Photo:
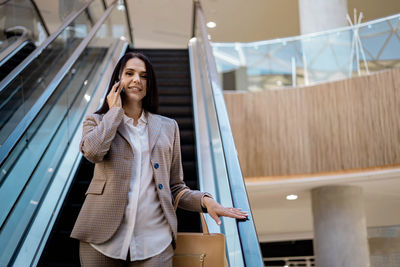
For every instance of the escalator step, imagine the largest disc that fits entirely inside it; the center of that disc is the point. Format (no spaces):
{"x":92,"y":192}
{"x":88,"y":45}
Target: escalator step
{"x":163,"y":67}
{"x":175,"y":100}
{"x":184,"y":122}
{"x":163,"y":74}
{"x":187,"y":152}
{"x":163,"y":52}
{"x":187,"y":136}
{"x":174,"y":90}
{"x":173,"y":82}
{"x":171,"y":111}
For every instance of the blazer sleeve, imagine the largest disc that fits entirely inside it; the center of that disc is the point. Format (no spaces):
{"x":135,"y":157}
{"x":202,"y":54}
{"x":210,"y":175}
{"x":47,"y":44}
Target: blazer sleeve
{"x":192,"y":199}
{"x":98,"y":133}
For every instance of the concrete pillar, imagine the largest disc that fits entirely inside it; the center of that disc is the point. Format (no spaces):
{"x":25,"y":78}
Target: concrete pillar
{"x":321,"y":62}
{"x":321,"y":15}
{"x":340,"y":230}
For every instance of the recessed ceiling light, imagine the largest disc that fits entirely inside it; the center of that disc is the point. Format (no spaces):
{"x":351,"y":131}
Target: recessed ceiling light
{"x":291,"y":197}
{"x":211,"y":24}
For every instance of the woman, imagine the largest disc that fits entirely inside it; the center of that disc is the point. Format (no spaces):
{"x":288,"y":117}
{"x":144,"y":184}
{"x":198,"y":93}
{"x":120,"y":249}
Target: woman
{"x":128,"y":218}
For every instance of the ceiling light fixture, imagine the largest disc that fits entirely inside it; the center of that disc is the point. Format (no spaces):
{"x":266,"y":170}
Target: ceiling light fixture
{"x":291,"y":197}
{"x":211,"y":24}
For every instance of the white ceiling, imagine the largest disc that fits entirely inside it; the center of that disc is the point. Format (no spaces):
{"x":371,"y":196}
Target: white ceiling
{"x":168,"y":23}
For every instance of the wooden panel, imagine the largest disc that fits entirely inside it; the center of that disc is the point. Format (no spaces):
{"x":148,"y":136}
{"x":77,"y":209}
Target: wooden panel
{"x":349,"y":124}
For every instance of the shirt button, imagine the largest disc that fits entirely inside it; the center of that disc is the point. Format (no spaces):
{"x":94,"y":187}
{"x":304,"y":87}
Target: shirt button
{"x":156,"y":165}
{"x":160,"y":186}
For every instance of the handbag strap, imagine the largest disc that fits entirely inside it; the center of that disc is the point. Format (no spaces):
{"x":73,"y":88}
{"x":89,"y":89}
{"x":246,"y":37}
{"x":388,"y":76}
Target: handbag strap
{"x":203,"y":220}
{"x":178,"y":197}
{"x":204,"y":224}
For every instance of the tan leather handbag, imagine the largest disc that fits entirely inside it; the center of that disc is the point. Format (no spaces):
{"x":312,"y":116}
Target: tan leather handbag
{"x":199,"y":249}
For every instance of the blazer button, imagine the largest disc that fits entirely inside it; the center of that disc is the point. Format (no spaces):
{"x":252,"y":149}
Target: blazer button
{"x":156,"y":165}
{"x":160,"y":186}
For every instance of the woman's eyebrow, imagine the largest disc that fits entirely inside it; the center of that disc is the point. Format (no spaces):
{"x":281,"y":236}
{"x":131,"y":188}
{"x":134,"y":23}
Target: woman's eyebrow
{"x":130,"y":69}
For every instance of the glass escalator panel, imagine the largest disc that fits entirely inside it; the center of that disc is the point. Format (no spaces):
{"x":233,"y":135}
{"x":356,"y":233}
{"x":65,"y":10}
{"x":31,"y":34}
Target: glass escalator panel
{"x":20,"y":13}
{"x":18,"y":95}
{"x":29,"y":171}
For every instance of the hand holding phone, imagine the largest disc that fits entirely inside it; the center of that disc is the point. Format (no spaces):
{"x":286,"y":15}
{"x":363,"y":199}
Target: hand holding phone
{"x":113,"y":97}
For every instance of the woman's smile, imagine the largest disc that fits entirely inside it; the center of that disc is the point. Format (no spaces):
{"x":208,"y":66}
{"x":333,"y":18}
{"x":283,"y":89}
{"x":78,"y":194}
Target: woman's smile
{"x":135,"y":89}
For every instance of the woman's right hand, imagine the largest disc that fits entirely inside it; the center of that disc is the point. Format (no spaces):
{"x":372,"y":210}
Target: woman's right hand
{"x":114,"y":96}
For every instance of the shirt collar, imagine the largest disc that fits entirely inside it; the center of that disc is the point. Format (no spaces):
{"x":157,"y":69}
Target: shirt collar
{"x":142,"y":119}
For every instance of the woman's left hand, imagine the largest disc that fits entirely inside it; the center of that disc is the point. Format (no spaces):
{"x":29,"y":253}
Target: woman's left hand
{"x":216,"y":210}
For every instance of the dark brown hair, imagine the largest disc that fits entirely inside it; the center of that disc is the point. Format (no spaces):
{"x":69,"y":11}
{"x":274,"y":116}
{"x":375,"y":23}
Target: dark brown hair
{"x":150,"y":101}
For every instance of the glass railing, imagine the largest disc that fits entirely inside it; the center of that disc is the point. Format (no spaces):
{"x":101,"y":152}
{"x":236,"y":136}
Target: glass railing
{"x":310,"y":59}
{"x":218,"y":166}
{"x":24,"y":14}
{"x":22,"y":88}
{"x":32,"y":182}
{"x":60,"y":11}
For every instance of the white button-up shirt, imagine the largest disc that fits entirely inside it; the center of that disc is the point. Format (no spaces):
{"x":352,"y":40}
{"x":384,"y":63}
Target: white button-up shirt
{"x":144,"y":230}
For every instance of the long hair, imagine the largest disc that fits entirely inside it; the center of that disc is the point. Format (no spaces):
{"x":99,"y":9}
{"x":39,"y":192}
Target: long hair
{"x":150,"y":101}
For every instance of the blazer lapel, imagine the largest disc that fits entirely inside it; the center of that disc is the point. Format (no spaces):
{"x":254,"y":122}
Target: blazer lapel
{"x":124,"y":132}
{"x":154,"y":124}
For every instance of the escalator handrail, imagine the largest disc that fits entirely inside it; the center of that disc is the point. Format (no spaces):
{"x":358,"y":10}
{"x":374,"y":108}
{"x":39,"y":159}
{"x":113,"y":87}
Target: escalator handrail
{"x":15,"y":46}
{"x":247,"y":233}
{"x":36,"y":53}
{"x":30,"y":116}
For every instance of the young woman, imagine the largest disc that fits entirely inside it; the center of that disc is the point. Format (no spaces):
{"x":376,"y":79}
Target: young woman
{"x":128,"y":218}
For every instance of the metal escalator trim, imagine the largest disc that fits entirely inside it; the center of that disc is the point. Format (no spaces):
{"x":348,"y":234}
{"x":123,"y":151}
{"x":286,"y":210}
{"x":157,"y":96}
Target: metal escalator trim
{"x":128,"y":20}
{"x":24,"y":124}
{"x":202,"y":136}
{"x":247,"y":233}
{"x":14,"y":47}
{"x":218,"y":179}
{"x":51,"y":65}
{"x":36,"y":237}
{"x":11,"y":76}
{"x":13,"y":50}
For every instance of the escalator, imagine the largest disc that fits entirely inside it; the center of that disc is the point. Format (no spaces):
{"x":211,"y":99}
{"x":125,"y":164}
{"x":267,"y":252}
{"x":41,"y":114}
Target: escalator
{"x":14,"y":49}
{"x":19,"y":53}
{"x":43,"y":100}
{"x":17,"y":96}
{"x":43,"y":176}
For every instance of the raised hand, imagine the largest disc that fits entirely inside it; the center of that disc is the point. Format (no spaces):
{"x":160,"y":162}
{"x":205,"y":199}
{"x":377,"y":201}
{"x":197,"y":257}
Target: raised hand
{"x":114,"y":96}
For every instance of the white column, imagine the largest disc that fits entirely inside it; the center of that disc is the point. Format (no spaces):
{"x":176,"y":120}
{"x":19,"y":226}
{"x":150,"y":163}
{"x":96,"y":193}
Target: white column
{"x":340,"y":231}
{"x":321,"y":15}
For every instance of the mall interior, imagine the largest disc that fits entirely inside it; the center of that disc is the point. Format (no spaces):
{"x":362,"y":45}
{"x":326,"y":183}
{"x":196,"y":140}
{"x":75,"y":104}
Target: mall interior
{"x":286,"y":109}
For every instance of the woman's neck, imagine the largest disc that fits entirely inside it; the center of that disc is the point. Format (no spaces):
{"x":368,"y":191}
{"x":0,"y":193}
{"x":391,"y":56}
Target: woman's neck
{"x":133,"y":110}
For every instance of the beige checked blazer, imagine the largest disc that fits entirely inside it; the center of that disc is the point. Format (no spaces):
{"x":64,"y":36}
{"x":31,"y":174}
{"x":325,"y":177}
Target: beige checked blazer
{"x":105,"y":142}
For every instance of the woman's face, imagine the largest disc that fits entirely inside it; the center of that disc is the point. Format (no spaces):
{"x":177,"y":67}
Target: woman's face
{"x":134,"y":80}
